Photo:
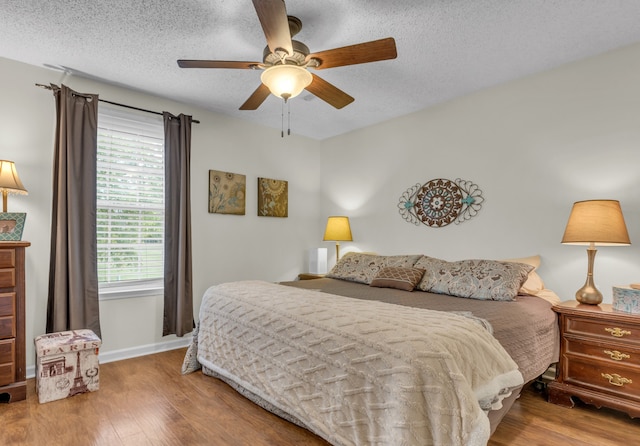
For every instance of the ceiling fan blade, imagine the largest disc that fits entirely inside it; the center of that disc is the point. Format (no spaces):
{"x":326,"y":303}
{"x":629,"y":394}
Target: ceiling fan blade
{"x":328,"y":92}
{"x":373,"y":51}
{"x":182,"y":63}
{"x":257,"y":98}
{"x":273,"y":18}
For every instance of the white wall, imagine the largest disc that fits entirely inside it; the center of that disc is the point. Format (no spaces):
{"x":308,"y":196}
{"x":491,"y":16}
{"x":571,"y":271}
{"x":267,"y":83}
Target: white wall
{"x":225,"y":247}
{"x":533,"y":146}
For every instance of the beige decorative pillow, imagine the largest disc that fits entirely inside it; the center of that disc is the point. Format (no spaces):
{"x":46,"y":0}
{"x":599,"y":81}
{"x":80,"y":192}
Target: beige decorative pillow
{"x":397,"y":277}
{"x":476,"y":279}
{"x":534,"y":283}
{"x":362,"y":268}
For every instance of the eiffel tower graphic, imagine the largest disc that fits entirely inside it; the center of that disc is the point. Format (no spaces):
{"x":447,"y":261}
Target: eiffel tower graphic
{"x":79,"y":385}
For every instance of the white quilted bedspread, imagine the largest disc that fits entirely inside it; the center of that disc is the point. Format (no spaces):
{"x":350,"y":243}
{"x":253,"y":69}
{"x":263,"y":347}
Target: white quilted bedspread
{"x":357,"y":372}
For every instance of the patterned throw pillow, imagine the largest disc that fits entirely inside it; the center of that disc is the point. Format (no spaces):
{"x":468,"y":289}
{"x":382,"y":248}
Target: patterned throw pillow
{"x":397,"y":277}
{"x":534,"y":283}
{"x":476,"y":279}
{"x":362,"y":268}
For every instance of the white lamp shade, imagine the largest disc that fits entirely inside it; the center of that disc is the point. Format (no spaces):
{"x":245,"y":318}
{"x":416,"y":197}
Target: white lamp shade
{"x":9,"y":179}
{"x":596,"y":221}
{"x":286,"y":81}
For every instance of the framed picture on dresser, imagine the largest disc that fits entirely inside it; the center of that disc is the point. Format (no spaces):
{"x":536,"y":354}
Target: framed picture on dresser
{"x":12,"y":225}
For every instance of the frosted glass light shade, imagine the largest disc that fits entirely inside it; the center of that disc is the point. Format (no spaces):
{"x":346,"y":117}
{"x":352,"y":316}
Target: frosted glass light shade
{"x":286,"y":81}
{"x":596,"y":221}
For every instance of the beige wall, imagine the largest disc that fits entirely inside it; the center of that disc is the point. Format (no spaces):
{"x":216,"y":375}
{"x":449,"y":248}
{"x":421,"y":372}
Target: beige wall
{"x":533,"y":146}
{"x":225,"y":247}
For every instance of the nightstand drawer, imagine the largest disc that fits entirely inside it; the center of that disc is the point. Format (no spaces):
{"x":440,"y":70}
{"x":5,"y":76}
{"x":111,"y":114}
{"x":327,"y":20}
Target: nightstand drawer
{"x":606,"y":352}
{"x":607,"y":378}
{"x":7,"y":362}
{"x":603,"y":330}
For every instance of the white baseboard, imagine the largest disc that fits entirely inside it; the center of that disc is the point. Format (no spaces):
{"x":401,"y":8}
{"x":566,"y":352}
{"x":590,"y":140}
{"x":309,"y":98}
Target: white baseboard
{"x":133,"y":352}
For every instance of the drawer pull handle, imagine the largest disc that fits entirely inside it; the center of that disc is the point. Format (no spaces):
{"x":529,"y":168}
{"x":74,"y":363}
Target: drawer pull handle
{"x":616,"y":355}
{"x":617,"y":332}
{"x":616,"y":380}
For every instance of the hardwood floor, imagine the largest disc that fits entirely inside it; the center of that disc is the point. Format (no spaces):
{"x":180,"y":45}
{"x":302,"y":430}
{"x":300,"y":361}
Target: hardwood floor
{"x":145,"y":401}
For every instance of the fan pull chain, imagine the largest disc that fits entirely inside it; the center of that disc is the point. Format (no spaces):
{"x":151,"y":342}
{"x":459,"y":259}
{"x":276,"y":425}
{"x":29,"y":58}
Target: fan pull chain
{"x":288,"y":119}
{"x":282,"y":121}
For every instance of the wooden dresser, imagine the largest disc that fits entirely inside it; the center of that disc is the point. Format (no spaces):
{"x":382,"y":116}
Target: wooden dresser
{"x":13,"y":384}
{"x":599,"y":357}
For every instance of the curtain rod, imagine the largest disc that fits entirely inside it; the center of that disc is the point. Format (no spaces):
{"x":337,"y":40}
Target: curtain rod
{"x":47,"y":87}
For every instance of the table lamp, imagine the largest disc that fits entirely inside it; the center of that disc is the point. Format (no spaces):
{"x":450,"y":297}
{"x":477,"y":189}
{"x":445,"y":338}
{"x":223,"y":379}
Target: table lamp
{"x":595,"y":222}
{"x":9,"y":182}
{"x":338,"y":230}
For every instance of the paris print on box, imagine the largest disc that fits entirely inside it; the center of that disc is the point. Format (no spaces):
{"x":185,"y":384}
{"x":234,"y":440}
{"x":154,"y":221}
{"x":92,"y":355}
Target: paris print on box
{"x":226,"y":192}
{"x":273,"y":198}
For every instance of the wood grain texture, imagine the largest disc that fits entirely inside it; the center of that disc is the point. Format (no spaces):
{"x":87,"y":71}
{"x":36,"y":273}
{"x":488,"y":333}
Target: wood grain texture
{"x":599,"y":357}
{"x":374,"y":51}
{"x":329,"y":93}
{"x":146,"y":401}
{"x":13,"y":384}
{"x":257,"y":98}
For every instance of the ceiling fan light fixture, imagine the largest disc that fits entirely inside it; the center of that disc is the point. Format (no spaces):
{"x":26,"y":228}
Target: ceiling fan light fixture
{"x":286,"y":81}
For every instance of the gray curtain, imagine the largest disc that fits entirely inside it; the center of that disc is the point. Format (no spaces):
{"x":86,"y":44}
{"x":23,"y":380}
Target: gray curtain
{"x":178,"y":293}
{"x":73,"y":273}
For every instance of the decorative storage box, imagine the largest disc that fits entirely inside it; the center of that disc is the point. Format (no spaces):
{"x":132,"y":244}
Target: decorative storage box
{"x":67,"y":364}
{"x":626,"y":299}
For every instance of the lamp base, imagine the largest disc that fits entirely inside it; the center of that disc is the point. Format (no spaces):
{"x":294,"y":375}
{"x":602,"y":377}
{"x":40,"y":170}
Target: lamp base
{"x":589,"y":295}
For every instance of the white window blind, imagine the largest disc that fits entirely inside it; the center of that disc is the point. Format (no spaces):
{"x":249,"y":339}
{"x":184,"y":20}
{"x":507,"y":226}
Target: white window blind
{"x":130,"y":200}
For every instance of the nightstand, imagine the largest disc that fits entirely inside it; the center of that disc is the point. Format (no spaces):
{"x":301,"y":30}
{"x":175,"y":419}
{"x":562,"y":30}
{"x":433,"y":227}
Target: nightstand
{"x":599,"y":358}
{"x":309,"y":276}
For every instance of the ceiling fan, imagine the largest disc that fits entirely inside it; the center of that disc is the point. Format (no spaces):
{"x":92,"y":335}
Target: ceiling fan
{"x":285,"y":61}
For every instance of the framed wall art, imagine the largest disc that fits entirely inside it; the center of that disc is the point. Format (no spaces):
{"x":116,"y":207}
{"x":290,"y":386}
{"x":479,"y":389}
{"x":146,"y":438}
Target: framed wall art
{"x":227,"y":192}
{"x":273,"y":198}
{"x":12,"y":225}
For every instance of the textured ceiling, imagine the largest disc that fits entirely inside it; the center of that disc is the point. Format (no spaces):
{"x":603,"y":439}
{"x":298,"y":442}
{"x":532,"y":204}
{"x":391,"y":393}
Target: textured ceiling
{"x":446,"y":48}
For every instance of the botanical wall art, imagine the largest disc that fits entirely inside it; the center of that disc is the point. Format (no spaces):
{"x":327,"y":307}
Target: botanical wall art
{"x":273,"y":198}
{"x":227,"y":192}
{"x":440,"y":202}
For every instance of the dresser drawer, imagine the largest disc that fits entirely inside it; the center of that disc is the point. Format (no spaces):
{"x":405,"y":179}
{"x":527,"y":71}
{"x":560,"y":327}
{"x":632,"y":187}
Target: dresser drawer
{"x":7,"y":304}
{"x":613,"y":379}
{"x":7,"y":362}
{"x":619,"y":354}
{"x":7,"y":258}
{"x":603,"y":330}
{"x":7,"y":277}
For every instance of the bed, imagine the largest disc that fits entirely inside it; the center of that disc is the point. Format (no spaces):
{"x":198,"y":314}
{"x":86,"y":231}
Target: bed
{"x":369,"y":355}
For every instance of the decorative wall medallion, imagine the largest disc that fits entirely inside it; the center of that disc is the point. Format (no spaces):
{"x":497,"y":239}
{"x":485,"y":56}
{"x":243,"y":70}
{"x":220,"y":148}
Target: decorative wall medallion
{"x":440,"y":202}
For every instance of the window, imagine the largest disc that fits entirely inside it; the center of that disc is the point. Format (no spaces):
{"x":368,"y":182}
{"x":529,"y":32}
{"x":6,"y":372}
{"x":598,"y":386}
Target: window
{"x":130,"y":203}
